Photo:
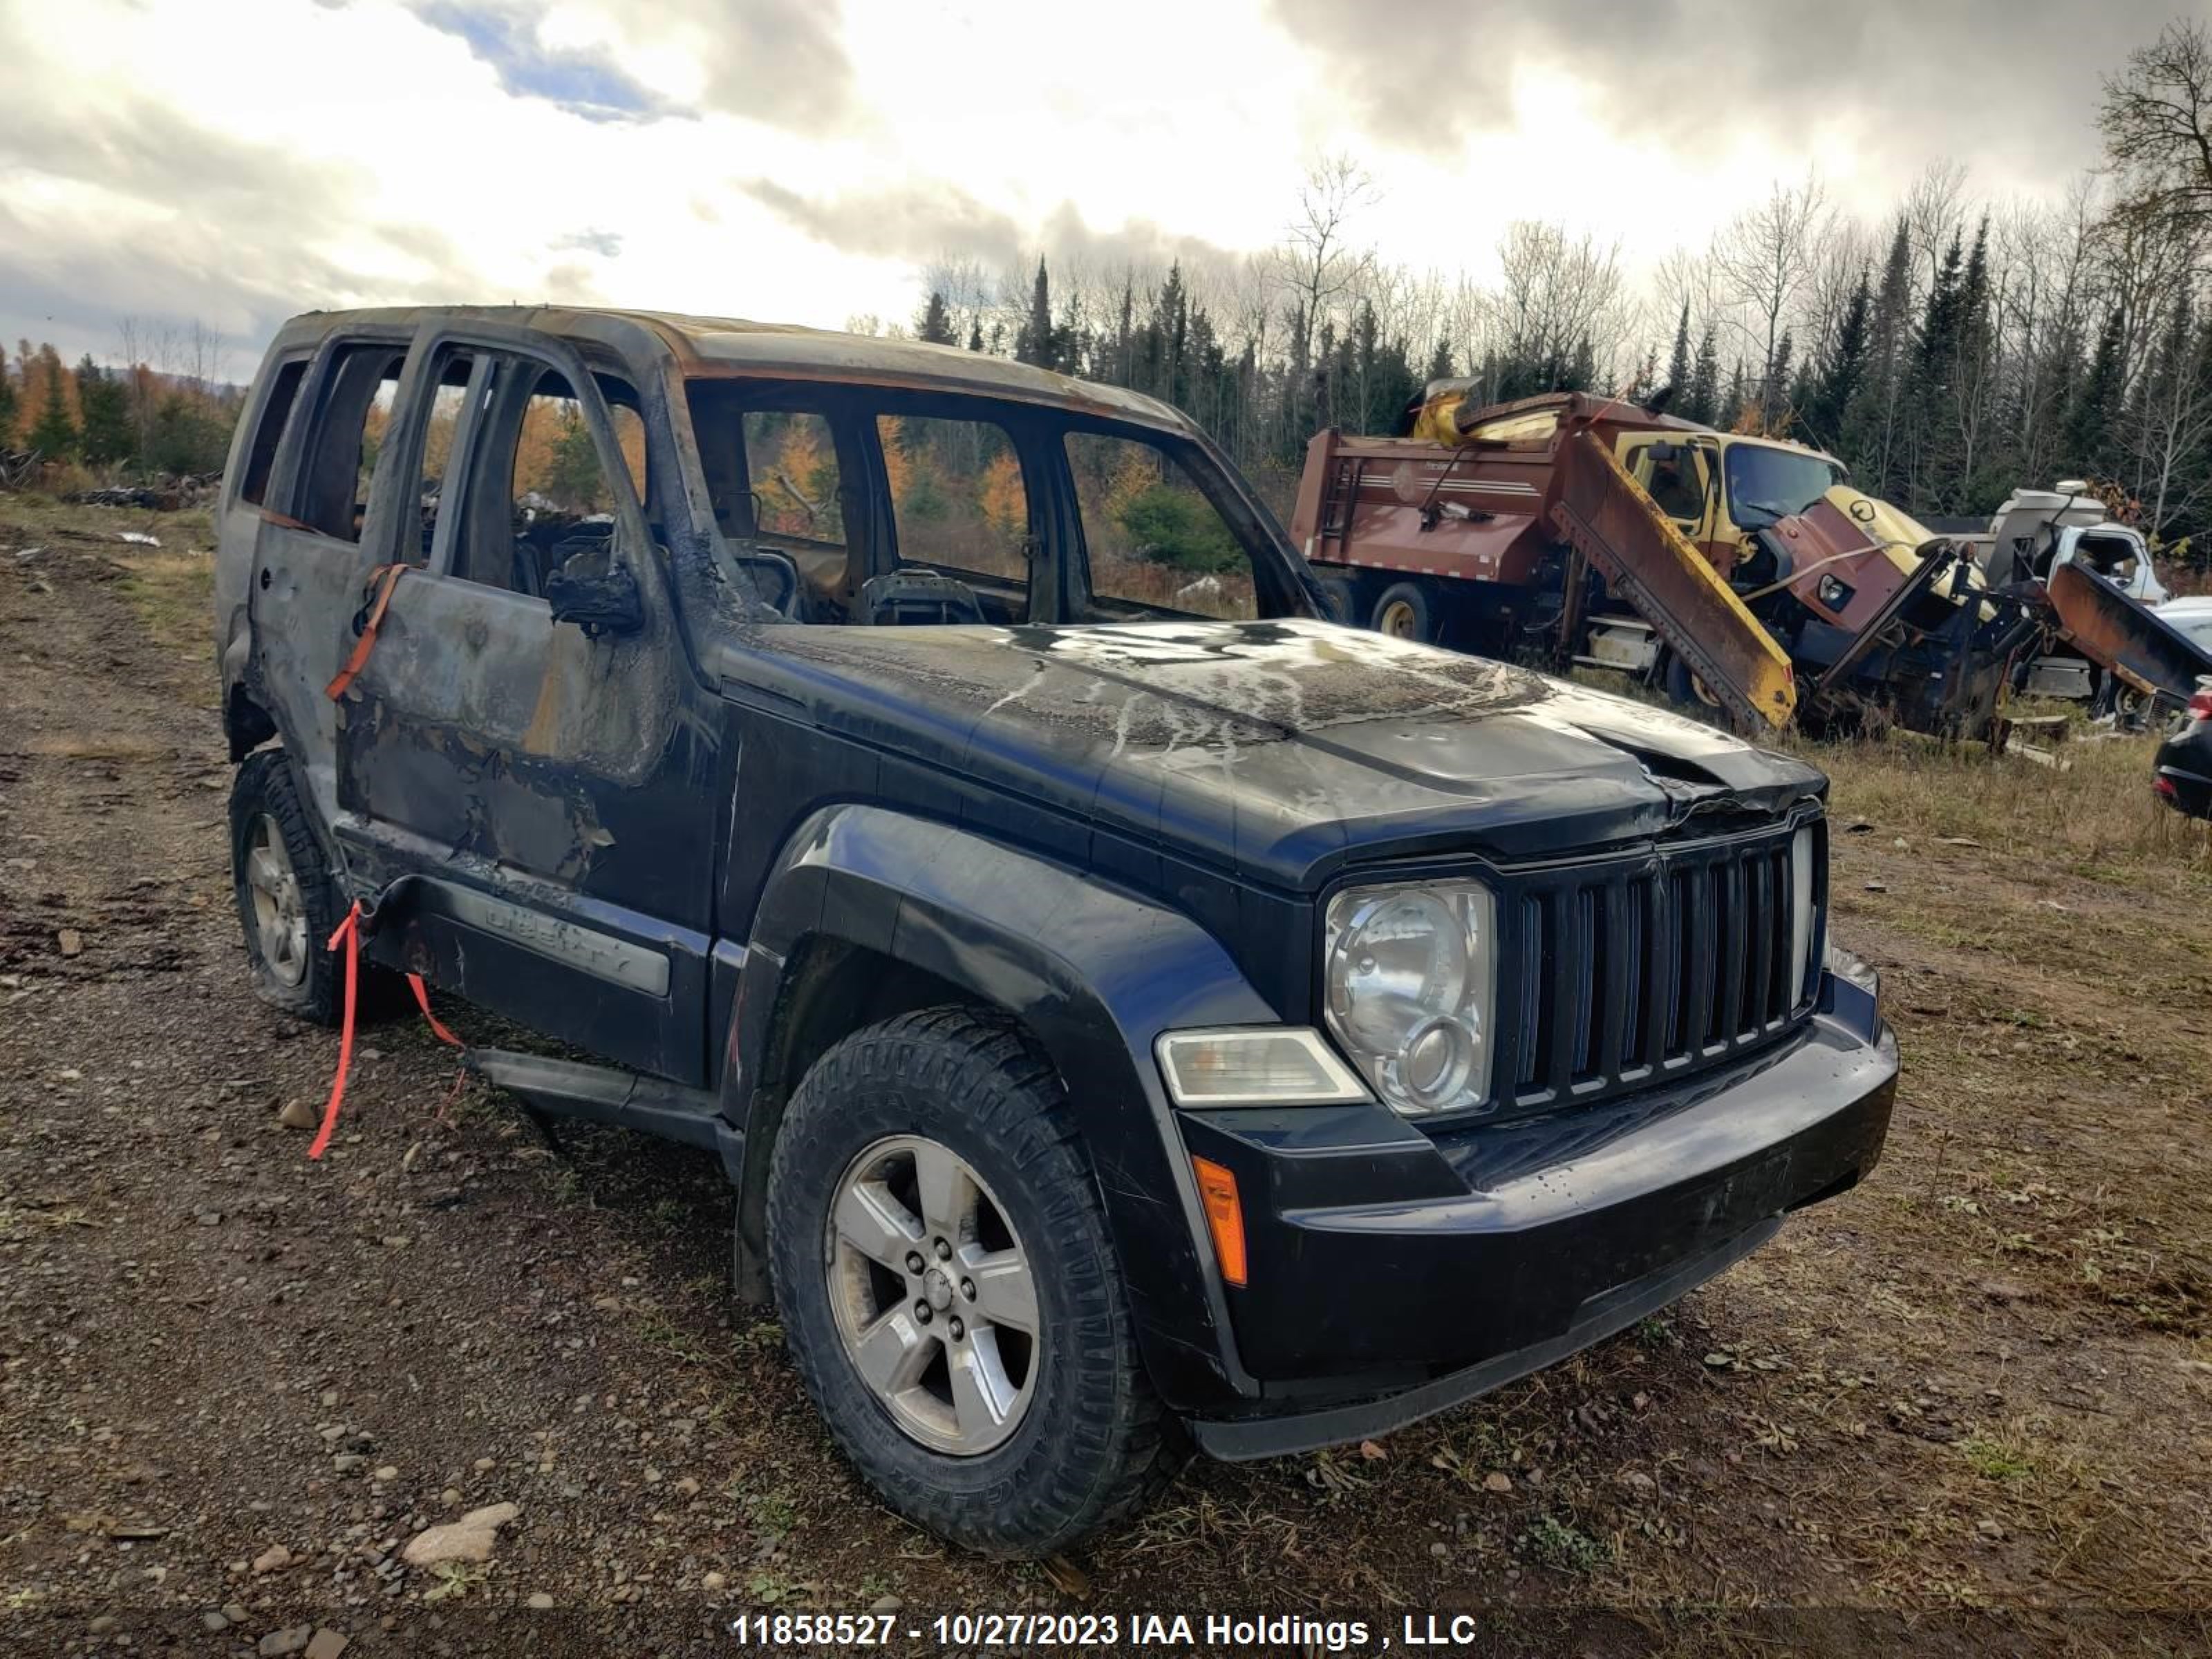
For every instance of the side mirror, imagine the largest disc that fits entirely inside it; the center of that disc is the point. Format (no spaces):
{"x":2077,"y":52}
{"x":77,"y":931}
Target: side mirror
{"x":597,"y":591}
{"x":1663,"y":453}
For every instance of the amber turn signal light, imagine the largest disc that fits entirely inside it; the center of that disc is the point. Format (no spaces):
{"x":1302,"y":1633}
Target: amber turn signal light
{"x":1225,"y":1216}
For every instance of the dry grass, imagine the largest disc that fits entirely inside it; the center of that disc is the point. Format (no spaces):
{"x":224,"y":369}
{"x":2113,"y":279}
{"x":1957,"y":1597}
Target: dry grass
{"x":2096,"y":815}
{"x":173,"y":593}
{"x":171,"y":586}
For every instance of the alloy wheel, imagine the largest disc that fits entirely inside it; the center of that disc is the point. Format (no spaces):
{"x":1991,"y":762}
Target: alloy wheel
{"x":933,"y":1295}
{"x":280,"y":911}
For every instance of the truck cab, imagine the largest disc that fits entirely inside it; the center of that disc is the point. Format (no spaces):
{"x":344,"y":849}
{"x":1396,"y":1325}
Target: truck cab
{"x":1133,"y":1013}
{"x":1721,"y":488}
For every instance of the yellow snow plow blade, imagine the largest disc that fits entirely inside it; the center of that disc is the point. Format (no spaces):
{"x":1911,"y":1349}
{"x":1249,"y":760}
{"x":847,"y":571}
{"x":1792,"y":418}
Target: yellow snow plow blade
{"x":1647,"y":560}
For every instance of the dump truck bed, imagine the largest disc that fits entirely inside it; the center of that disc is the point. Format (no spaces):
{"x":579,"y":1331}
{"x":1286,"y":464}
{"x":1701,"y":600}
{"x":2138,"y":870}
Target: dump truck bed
{"x":1522,"y":516}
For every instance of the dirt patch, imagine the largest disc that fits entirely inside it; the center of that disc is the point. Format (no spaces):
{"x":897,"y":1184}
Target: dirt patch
{"x":233,"y":1385}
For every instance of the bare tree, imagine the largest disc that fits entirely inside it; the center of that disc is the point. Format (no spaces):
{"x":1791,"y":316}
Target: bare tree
{"x":2157,"y":123}
{"x":1316,"y":261}
{"x":1762,"y":258}
{"x":1562,"y":295}
{"x":1934,"y":208}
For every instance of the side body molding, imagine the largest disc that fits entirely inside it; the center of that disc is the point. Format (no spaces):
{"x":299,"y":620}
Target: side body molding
{"x":1092,"y":972}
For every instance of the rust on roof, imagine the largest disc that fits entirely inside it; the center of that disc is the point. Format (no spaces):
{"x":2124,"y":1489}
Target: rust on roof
{"x":734,"y":347}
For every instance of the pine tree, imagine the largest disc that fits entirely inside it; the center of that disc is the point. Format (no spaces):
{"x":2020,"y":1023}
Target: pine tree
{"x":53,"y":434}
{"x":1704,"y":405}
{"x":1961,"y":454}
{"x":935,"y":323}
{"x":1930,"y":384}
{"x":1125,"y":335}
{"x":1774,"y":396}
{"x":1169,"y":333}
{"x":976,"y":335}
{"x":2091,"y":438}
{"x":1738,"y":394}
{"x":105,"y":405}
{"x":1870,"y":425}
{"x":9,"y":404}
{"x":573,"y":478}
{"x":1440,"y":361}
{"x":1678,"y":365}
{"x":1581,"y":374}
{"x":1033,"y":343}
{"x":1841,"y":371}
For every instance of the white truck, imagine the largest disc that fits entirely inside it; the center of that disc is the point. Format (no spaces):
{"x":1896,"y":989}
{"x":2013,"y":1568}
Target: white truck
{"x":2036,"y":530}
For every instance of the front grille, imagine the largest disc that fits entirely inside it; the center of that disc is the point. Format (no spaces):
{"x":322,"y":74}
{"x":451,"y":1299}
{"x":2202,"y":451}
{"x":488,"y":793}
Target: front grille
{"x":1616,"y":975}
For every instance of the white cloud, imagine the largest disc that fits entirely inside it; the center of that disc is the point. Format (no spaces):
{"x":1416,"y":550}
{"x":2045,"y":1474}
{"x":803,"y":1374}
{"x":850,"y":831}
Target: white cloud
{"x":769,"y":158}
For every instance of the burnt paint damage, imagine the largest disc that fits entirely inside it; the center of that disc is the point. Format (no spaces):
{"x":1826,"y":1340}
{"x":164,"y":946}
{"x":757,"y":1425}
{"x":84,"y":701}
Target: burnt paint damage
{"x":1284,"y":749}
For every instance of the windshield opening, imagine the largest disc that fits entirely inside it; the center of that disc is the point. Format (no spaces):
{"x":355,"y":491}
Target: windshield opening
{"x":1765,"y":483}
{"x":849,"y":504}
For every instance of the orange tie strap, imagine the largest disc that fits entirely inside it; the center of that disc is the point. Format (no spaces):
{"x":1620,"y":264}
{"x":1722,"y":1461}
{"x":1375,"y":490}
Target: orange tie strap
{"x":350,"y":930}
{"x":422,"y":1001}
{"x":381,"y":581}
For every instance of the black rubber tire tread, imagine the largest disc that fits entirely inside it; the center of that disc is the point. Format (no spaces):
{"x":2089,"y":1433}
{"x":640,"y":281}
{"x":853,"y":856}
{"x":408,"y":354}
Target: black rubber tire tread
{"x":1095,"y":1443}
{"x":1342,"y":593}
{"x":1423,"y":602}
{"x":1680,"y":685}
{"x":265,"y":784}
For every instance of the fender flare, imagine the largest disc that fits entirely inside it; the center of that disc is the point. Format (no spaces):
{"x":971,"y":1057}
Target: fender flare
{"x":1093,"y":972}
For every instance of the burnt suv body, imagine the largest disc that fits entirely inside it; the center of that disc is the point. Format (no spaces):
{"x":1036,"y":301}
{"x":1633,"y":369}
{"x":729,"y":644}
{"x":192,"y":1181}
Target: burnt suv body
{"x":1130,"y":1008}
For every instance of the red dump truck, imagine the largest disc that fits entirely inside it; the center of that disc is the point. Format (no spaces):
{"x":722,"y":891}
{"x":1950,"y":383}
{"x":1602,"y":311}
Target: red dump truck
{"x":1739,"y":572}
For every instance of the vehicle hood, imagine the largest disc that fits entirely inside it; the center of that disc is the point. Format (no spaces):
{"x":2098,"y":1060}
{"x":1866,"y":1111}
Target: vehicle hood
{"x":1285,"y":749}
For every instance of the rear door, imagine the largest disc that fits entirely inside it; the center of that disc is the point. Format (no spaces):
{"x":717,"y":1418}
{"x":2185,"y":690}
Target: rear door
{"x":556,"y":798}
{"x":318,"y":531}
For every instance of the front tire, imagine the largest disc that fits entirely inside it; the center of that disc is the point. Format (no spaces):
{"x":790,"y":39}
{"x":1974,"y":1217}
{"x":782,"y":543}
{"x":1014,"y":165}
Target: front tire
{"x":949,"y":1293}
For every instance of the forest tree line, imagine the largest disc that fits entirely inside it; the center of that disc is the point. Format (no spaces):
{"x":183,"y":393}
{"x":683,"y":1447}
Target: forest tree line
{"x":1947,"y":353}
{"x":164,"y":411}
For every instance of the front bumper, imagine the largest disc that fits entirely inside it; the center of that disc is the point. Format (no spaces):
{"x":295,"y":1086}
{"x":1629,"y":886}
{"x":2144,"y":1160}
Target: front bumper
{"x":1392,"y":1275}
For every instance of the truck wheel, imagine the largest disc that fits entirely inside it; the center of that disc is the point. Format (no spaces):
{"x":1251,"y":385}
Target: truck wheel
{"x":945,"y":1282}
{"x":287,"y":900}
{"x":1406,"y":611}
{"x":1688,"y":692}
{"x":1343,"y":596}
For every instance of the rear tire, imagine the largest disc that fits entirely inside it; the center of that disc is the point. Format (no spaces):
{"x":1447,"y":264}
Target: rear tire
{"x":1057,"y":1431}
{"x":1406,"y":610}
{"x":287,"y":900}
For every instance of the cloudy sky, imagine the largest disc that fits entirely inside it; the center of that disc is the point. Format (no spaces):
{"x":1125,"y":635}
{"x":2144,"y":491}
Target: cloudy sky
{"x":799,"y":160}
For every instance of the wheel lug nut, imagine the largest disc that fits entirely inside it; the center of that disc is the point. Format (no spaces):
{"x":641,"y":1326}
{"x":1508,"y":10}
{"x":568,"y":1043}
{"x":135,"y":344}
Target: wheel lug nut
{"x":968,"y":1289}
{"x":958,"y":1329}
{"x":921,"y":1312}
{"x":943,"y":1251}
{"x":914,"y":1262}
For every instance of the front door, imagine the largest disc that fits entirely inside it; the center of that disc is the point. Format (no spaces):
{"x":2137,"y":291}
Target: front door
{"x":551,"y":800}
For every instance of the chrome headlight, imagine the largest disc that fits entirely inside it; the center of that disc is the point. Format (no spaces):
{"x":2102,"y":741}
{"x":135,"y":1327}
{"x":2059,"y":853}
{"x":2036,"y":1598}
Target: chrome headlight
{"x":1408,"y":975}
